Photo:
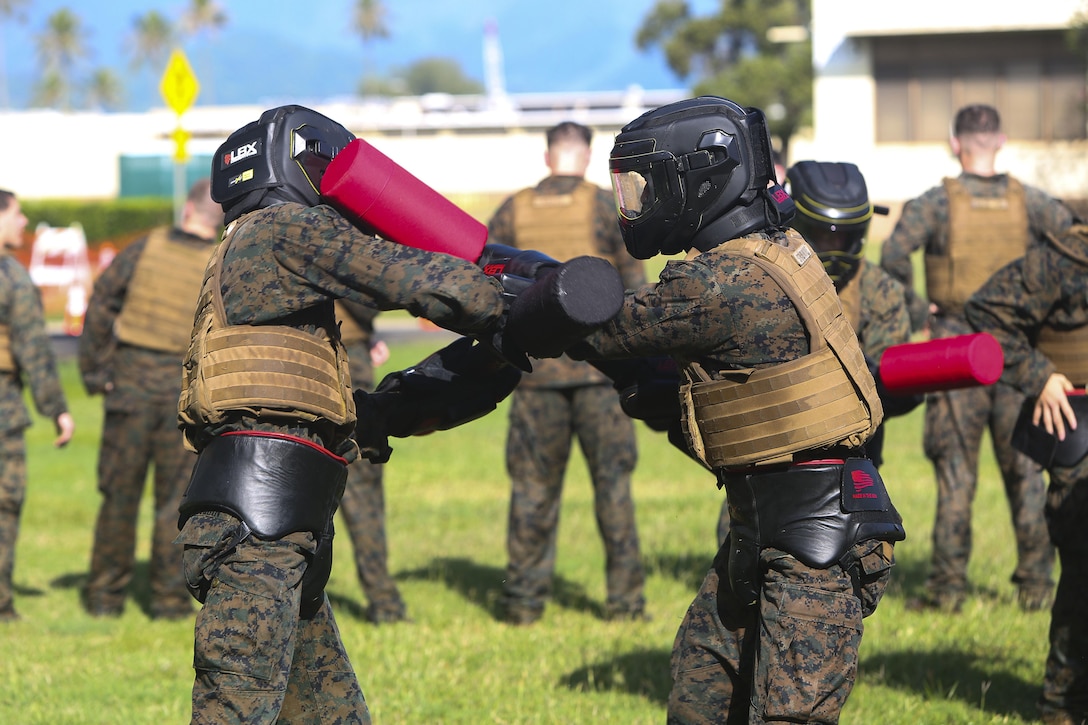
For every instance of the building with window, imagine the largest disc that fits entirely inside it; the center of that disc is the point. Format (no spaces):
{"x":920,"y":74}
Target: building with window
{"x":890,"y":77}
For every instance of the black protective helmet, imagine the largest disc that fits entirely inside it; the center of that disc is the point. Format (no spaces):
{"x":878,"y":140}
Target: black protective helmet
{"x":833,"y":213}
{"x":694,"y":173}
{"x":279,"y":157}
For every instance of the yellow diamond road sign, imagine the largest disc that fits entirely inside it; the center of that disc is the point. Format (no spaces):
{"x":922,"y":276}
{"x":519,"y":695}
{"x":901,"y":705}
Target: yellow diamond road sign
{"x":179,"y":86}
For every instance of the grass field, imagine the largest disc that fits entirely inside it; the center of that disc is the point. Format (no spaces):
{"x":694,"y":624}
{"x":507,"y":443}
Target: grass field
{"x":455,"y":663}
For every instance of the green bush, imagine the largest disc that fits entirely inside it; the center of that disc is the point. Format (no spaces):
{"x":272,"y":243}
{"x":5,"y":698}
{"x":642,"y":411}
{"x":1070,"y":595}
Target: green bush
{"x":102,"y":220}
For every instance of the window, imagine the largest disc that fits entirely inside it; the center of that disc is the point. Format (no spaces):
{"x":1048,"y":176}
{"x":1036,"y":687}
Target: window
{"x":1033,"y":78}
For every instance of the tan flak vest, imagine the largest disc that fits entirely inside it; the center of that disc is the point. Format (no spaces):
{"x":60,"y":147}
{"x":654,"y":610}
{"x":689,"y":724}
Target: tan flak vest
{"x":270,"y":371}
{"x":984,"y":234}
{"x":1067,"y":349}
{"x":7,"y":358}
{"x":765,"y":416}
{"x":558,"y":225}
{"x":162,"y":296}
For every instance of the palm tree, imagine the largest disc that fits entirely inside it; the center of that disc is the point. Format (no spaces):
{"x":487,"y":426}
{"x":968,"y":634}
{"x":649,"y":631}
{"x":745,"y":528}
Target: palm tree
{"x":104,"y":90}
{"x":204,"y":16}
{"x":369,"y":23}
{"x":9,"y":9}
{"x":151,"y":40}
{"x":149,"y":44}
{"x":60,"y":47}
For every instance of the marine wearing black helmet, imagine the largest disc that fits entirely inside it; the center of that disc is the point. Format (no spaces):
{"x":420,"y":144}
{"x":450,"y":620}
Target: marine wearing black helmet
{"x":833,"y":213}
{"x":775,"y":399}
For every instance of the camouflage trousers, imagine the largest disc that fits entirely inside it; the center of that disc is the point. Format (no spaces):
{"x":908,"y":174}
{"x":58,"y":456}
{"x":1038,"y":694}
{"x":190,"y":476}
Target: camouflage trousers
{"x":256,"y":660}
{"x":538,"y":446}
{"x":1065,"y":683}
{"x":132,"y":441}
{"x":363,"y":509}
{"x":792,"y":656}
{"x":12,"y":495}
{"x":954,"y":425}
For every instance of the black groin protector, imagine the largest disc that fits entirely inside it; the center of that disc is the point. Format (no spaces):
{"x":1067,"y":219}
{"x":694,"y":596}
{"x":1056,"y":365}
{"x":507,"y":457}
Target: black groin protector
{"x":276,"y":486}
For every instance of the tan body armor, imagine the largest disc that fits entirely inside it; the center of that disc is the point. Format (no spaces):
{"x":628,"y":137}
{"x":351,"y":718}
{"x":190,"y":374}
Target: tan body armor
{"x":7,"y":359}
{"x":558,"y":225}
{"x":984,"y":234}
{"x":271,"y":371}
{"x":1067,"y":349}
{"x":162,"y":296}
{"x":823,"y":399}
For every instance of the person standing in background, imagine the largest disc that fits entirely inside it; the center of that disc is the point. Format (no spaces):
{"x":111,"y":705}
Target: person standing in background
{"x":970,"y":226}
{"x":363,"y":502}
{"x":1037,"y":308}
{"x":26,"y":357}
{"x":135,"y":335}
{"x":565,"y":216}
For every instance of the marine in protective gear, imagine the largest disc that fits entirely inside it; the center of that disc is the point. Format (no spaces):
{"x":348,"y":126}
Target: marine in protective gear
{"x":774,"y":631}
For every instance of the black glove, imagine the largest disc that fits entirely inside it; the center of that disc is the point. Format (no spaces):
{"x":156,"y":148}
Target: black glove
{"x":457,"y":384}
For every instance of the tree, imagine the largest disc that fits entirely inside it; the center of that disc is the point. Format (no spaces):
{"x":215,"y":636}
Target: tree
{"x":104,"y":90}
{"x":204,"y":16}
{"x":369,"y":23}
{"x":9,"y":9}
{"x":60,"y":47}
{"x":755,"y":52}
{"x":151,"y":40}
{"x":427,"y":75}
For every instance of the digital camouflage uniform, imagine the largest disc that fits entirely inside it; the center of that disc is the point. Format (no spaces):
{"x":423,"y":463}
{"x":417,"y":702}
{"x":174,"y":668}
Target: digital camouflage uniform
{"x":140,"y":430}
{"x":560,"y":400}
{"x":1051,"y":286}
{"x":363,"y":503}
{"x":875,"y":305}
{"x":955,"y":420}
{"x":793,"y":655}
{"x":34,"y":365}
{"x":256,"y":659}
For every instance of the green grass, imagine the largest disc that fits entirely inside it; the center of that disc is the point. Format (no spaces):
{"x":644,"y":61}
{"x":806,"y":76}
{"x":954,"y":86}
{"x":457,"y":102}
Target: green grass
{"x":447,"y":496}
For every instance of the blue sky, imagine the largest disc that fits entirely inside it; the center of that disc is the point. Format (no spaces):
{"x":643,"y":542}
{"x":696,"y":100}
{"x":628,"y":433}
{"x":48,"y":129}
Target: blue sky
{"x":276,"y":47}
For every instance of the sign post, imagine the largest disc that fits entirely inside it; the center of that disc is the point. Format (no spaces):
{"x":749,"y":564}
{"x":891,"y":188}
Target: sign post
{"x":179,"y":88}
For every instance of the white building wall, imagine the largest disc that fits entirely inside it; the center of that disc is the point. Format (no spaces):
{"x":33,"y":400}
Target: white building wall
{"x":844,"y":95}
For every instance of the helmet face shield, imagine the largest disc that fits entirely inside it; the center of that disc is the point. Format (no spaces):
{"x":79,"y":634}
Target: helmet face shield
{"x":641,"y":184}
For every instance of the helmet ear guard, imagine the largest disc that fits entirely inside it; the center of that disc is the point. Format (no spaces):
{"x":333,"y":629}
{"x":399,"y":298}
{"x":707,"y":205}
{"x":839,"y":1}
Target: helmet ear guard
{"x":280,"y":157}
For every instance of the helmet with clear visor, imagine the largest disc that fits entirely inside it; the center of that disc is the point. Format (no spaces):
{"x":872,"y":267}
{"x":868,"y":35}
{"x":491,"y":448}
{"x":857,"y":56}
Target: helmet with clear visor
{"x":679,"y":168}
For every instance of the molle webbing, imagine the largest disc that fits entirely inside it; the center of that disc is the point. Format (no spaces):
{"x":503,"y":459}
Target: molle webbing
{"x":984,"y":234}
{"x":558,"y":225}
{"x":7,"y":359}
{"x":764,"y":416}
{"x":272,"y":371}
{"x":1068,"y":350}
{"x":162,"y":297}
{"x":350,"y":330}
